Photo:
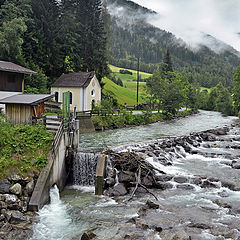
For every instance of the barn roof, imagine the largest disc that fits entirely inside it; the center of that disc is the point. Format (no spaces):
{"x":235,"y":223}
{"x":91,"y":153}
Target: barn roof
{"x":81,"y":79}
{"x":26,"y":99}
{"x":12,"y":67}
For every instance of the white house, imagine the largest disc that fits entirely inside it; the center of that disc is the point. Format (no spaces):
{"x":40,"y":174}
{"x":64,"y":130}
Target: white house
{"x":11,"y":80}
{"x":84,"y":89}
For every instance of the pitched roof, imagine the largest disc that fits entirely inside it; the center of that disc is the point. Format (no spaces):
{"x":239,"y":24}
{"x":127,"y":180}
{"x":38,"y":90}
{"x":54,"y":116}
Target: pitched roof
{"x":12,"y":67}
{"x":81,"y":79}
{"x":26,"y":99}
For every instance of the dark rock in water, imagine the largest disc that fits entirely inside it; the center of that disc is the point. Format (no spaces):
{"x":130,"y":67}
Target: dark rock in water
{"x":157,"y":228}
{"x":223,"y":194}
{"x":163,"y":178}
{"x":213,"y":179}
{"x":236,"y":165}
{"x":142,"y":211}
{"x":221,"y":203}
{"x":208,"y":184}
{"x":186,"y":187}
{"x":15,"y":206}
{"x":152,"y":205}
{"x":163,"y":185}
{"x":187,"y":148}
{"x":147,"y":181}
{"x":119,"y":190}
{"x":4,"y":186}
{"x":140,"y":223}
{"x":196,"y":180}
{"x":229,"y":185}
{"x":180,"y":179}
{"x":88,"y":235}
{"x":126,"y":176}
{"x":199,"y":225}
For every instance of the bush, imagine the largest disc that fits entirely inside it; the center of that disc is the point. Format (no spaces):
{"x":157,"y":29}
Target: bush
{"x":124,"y":71}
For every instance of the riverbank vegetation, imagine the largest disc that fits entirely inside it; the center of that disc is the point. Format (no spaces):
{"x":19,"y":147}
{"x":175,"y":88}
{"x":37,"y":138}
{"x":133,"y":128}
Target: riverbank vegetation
{"x":125,"y":119}
{"x":24,"y":148}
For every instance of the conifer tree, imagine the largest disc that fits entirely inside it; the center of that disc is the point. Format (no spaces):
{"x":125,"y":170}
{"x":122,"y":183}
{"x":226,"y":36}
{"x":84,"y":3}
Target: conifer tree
{"x":168,"y":61}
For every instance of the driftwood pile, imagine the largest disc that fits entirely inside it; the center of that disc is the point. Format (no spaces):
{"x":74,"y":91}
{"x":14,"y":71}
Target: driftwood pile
{"x":130,"y":174}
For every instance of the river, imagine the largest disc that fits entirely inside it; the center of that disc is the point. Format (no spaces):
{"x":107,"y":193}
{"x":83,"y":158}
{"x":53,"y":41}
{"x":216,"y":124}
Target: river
{"x":78,"y":209}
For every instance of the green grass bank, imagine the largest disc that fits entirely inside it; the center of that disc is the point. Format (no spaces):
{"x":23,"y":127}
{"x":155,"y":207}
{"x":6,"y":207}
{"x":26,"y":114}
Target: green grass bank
{"x":23,"y":148}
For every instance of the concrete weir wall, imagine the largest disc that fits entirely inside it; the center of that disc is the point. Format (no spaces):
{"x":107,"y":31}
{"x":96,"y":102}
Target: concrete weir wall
{"x":53,"y":173}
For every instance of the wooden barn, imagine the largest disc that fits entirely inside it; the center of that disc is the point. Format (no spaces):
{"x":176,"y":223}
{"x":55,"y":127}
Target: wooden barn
{"x":12,"y":79}
{"x":21,"y":108}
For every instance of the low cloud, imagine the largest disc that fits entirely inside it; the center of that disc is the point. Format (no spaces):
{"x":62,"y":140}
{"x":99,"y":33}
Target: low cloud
{"x":191,"y":20}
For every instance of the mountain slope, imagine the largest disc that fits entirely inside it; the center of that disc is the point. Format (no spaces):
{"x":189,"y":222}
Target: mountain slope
{"x":133,"y":36}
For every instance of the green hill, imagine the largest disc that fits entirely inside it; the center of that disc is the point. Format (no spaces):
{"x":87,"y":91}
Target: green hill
{"x":127,"y":93}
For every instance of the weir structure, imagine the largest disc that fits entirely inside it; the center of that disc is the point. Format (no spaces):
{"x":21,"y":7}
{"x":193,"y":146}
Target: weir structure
{"x":64,"y":145}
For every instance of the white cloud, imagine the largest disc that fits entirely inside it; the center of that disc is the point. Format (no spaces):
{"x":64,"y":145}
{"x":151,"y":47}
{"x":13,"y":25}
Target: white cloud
{"x":189,"y":19}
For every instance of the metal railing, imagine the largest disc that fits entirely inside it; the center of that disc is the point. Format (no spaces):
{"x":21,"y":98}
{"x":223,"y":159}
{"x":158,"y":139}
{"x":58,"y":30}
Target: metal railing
{"x":57,"y":137}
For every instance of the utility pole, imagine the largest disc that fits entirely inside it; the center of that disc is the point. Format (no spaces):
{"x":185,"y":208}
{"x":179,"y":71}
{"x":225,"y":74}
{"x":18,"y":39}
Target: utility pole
{"x":138,"y":66}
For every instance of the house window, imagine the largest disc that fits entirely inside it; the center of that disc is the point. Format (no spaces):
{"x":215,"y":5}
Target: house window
{"x":93,"y":93}
{"x":56,"y":96}
{"x":70,"y":97}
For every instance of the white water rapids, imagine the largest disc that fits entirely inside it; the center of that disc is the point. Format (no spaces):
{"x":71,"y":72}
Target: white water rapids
{"x":79,"y":210}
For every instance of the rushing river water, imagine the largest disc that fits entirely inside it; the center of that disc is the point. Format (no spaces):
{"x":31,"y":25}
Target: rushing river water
{"x":215,"y":210}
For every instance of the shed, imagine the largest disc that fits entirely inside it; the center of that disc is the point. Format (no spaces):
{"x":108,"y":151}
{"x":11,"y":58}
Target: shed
{"x":22,"y":107}
{"x":84,"y":88}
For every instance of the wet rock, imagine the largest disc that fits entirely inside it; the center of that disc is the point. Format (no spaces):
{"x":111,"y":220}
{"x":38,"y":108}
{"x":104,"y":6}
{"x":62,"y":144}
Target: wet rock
{"x":213,"y":179}
{"x":186,"y":187}
{"x":17,"y":217}
{"x":196,"y":180}
{"x":126,"y":176}
{"x":10,"y":198}
{"x":151,"y":205}
{"x":208,"y":184}
{"x":4,"y":186}
{"x":88,"y":235}
{"x":30,"y":187}
{"x":163,"y":178}
{"x":147,"y":181}
{"x":16,"y":189}
{"x":199,"y":225}
{"x":140,"y":223}
{"x":180,"y":179}
{"x":143,"y":210}
{"x":223,"y":194}
{"x":119,"y":190}
{"x":222,"y":203}
{"x":157,"y":228}
{"x":236,"y":165}
{"x":229,"y":185}
{"x":163,"y":185}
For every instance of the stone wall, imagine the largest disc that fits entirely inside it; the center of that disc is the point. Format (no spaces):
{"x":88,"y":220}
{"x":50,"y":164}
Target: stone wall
{"x":15,"y":217}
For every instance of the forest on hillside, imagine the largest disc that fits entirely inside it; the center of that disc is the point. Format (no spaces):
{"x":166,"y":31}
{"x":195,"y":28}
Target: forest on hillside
{"x":133,"y":37}
{"x":53,"y":37}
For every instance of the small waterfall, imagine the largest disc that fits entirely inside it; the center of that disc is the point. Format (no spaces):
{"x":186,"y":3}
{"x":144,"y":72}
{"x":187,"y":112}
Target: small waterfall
{"x":84,"y":168}
{"x":54,"y":221}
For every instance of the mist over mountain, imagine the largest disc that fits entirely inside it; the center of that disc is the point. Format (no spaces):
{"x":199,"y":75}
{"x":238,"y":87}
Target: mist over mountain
{"x":133,"y":35}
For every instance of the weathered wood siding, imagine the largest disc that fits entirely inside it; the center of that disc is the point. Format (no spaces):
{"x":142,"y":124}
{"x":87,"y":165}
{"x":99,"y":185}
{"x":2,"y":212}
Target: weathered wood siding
{"x":19,"y":114}
{"x":11,"y":82}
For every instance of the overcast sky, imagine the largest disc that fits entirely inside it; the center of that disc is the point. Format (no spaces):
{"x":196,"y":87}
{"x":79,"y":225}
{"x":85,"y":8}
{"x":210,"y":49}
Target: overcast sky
{"x":188,"y":19}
